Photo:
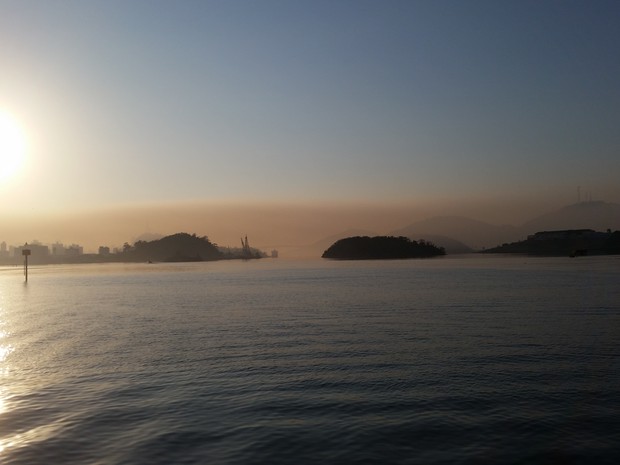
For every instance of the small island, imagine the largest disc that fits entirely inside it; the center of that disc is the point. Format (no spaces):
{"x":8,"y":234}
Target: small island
{"x":180,"y":247}
{"x":381,"y":248}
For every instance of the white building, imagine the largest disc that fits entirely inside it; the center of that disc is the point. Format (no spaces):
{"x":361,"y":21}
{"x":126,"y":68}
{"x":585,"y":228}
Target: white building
{"x":74,"y":249}
{"x":36,"y":250}
{"x":58,"y":249}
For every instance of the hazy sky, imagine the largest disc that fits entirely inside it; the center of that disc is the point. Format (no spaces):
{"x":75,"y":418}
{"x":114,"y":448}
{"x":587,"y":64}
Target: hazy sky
{"x":399,"y":103}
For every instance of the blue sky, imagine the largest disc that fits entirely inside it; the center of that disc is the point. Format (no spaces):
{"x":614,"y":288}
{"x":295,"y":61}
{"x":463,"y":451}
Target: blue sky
{"x":395,"y":102}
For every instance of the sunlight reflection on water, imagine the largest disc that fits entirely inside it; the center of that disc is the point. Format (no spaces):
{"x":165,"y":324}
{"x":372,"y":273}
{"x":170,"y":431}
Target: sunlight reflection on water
{"x":440,"y":361}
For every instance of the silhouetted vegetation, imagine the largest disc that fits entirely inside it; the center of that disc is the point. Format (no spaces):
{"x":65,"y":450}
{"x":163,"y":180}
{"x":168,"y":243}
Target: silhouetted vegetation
{"x":381,"y":247}
{"x":180,"y":247}
{"x":570,"y":242}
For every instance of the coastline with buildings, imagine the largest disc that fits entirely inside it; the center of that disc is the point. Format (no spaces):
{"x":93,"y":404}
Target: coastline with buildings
{"x":177,"y":247}
{"x":42,"y":253}
{"x":56,"y":253}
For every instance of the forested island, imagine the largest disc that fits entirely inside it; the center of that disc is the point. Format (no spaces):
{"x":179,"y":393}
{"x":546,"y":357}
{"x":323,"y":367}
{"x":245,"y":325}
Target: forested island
{"x":570,"y":242}
{"x":381,"y":247}
{"x":180,"y":247}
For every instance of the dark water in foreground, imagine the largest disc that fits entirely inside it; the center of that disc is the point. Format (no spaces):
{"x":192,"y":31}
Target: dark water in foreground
{"x":447,"y":361}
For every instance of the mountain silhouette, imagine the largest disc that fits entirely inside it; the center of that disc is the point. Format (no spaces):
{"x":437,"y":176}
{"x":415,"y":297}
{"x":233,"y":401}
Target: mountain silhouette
{"x":180,"y":247}
{"x":459,"y":234}
{"x":470,"y":233}
{"x":570,"y":242}
{"x":596,"y":215}
{"x":148,"y":237}
{"x":452,"y":246}
{"x":317,"y":248}
{"x":478,"y":235}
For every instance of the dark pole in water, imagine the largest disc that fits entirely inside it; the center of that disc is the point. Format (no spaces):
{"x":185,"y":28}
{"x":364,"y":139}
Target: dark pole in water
{"x":25,"y":253}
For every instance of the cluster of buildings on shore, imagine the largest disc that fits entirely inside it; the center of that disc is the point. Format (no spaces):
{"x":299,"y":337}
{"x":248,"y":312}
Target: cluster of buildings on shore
{"x":37,"y":249}
{"x":57,"y":252}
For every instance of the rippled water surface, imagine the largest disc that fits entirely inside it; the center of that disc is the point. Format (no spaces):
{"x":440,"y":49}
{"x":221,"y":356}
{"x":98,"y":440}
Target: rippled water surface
{"x":454,"y":360}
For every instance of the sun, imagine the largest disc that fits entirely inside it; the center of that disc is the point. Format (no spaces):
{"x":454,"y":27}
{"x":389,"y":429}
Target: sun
{"x":12,"y":147}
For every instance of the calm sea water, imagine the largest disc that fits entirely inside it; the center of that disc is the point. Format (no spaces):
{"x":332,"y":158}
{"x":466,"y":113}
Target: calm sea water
{"x":444,"y":361}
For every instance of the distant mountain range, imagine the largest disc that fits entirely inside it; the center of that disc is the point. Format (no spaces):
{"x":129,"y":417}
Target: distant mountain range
{"x":444,"y":231}
{"x":459,"y":234}
{"x":317,"y":248}
{"x":451,"y":245}
{"x":598,"y":215}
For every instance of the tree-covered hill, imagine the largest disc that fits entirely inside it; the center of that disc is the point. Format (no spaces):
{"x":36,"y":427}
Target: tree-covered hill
{"x":180,"y":247}
{"x":381,"y":247}
{"x":570,"y":242}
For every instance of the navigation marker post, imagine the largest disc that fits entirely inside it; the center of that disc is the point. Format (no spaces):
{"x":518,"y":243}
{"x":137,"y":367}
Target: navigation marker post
{"x":26,"y":253}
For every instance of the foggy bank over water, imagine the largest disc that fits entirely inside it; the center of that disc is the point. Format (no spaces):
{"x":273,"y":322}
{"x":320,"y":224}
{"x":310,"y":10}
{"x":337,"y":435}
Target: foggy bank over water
{"x":267,"y":224}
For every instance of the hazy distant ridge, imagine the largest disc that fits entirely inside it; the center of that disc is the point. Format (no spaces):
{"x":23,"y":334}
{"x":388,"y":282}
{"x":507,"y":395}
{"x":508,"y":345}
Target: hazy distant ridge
{"x":477,"y":234}
{"x":459,"y":234}
{"x":597,"y":215}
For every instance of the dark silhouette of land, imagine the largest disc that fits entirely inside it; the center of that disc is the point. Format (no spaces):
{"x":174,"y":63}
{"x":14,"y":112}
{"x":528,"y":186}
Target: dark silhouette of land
{"x":477,"y":235}
{"x":381,"y":247}
{"x":570,"y":242}
{"x":452,"y":233}
{"x":596,"y":215}
{"x":452,"y":246}
{"x":458,"y":234}
{"x":180,"y":247}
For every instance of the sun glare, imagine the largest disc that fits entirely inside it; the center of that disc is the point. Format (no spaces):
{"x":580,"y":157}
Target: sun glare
{"x":12,"y":147}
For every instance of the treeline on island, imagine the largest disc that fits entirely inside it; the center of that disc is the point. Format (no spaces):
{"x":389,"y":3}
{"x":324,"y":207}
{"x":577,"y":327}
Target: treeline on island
{"x":570,"y":242}
{"x":381,"y":247}
{"x":180,"y":247}
{"x":183,"y":247}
